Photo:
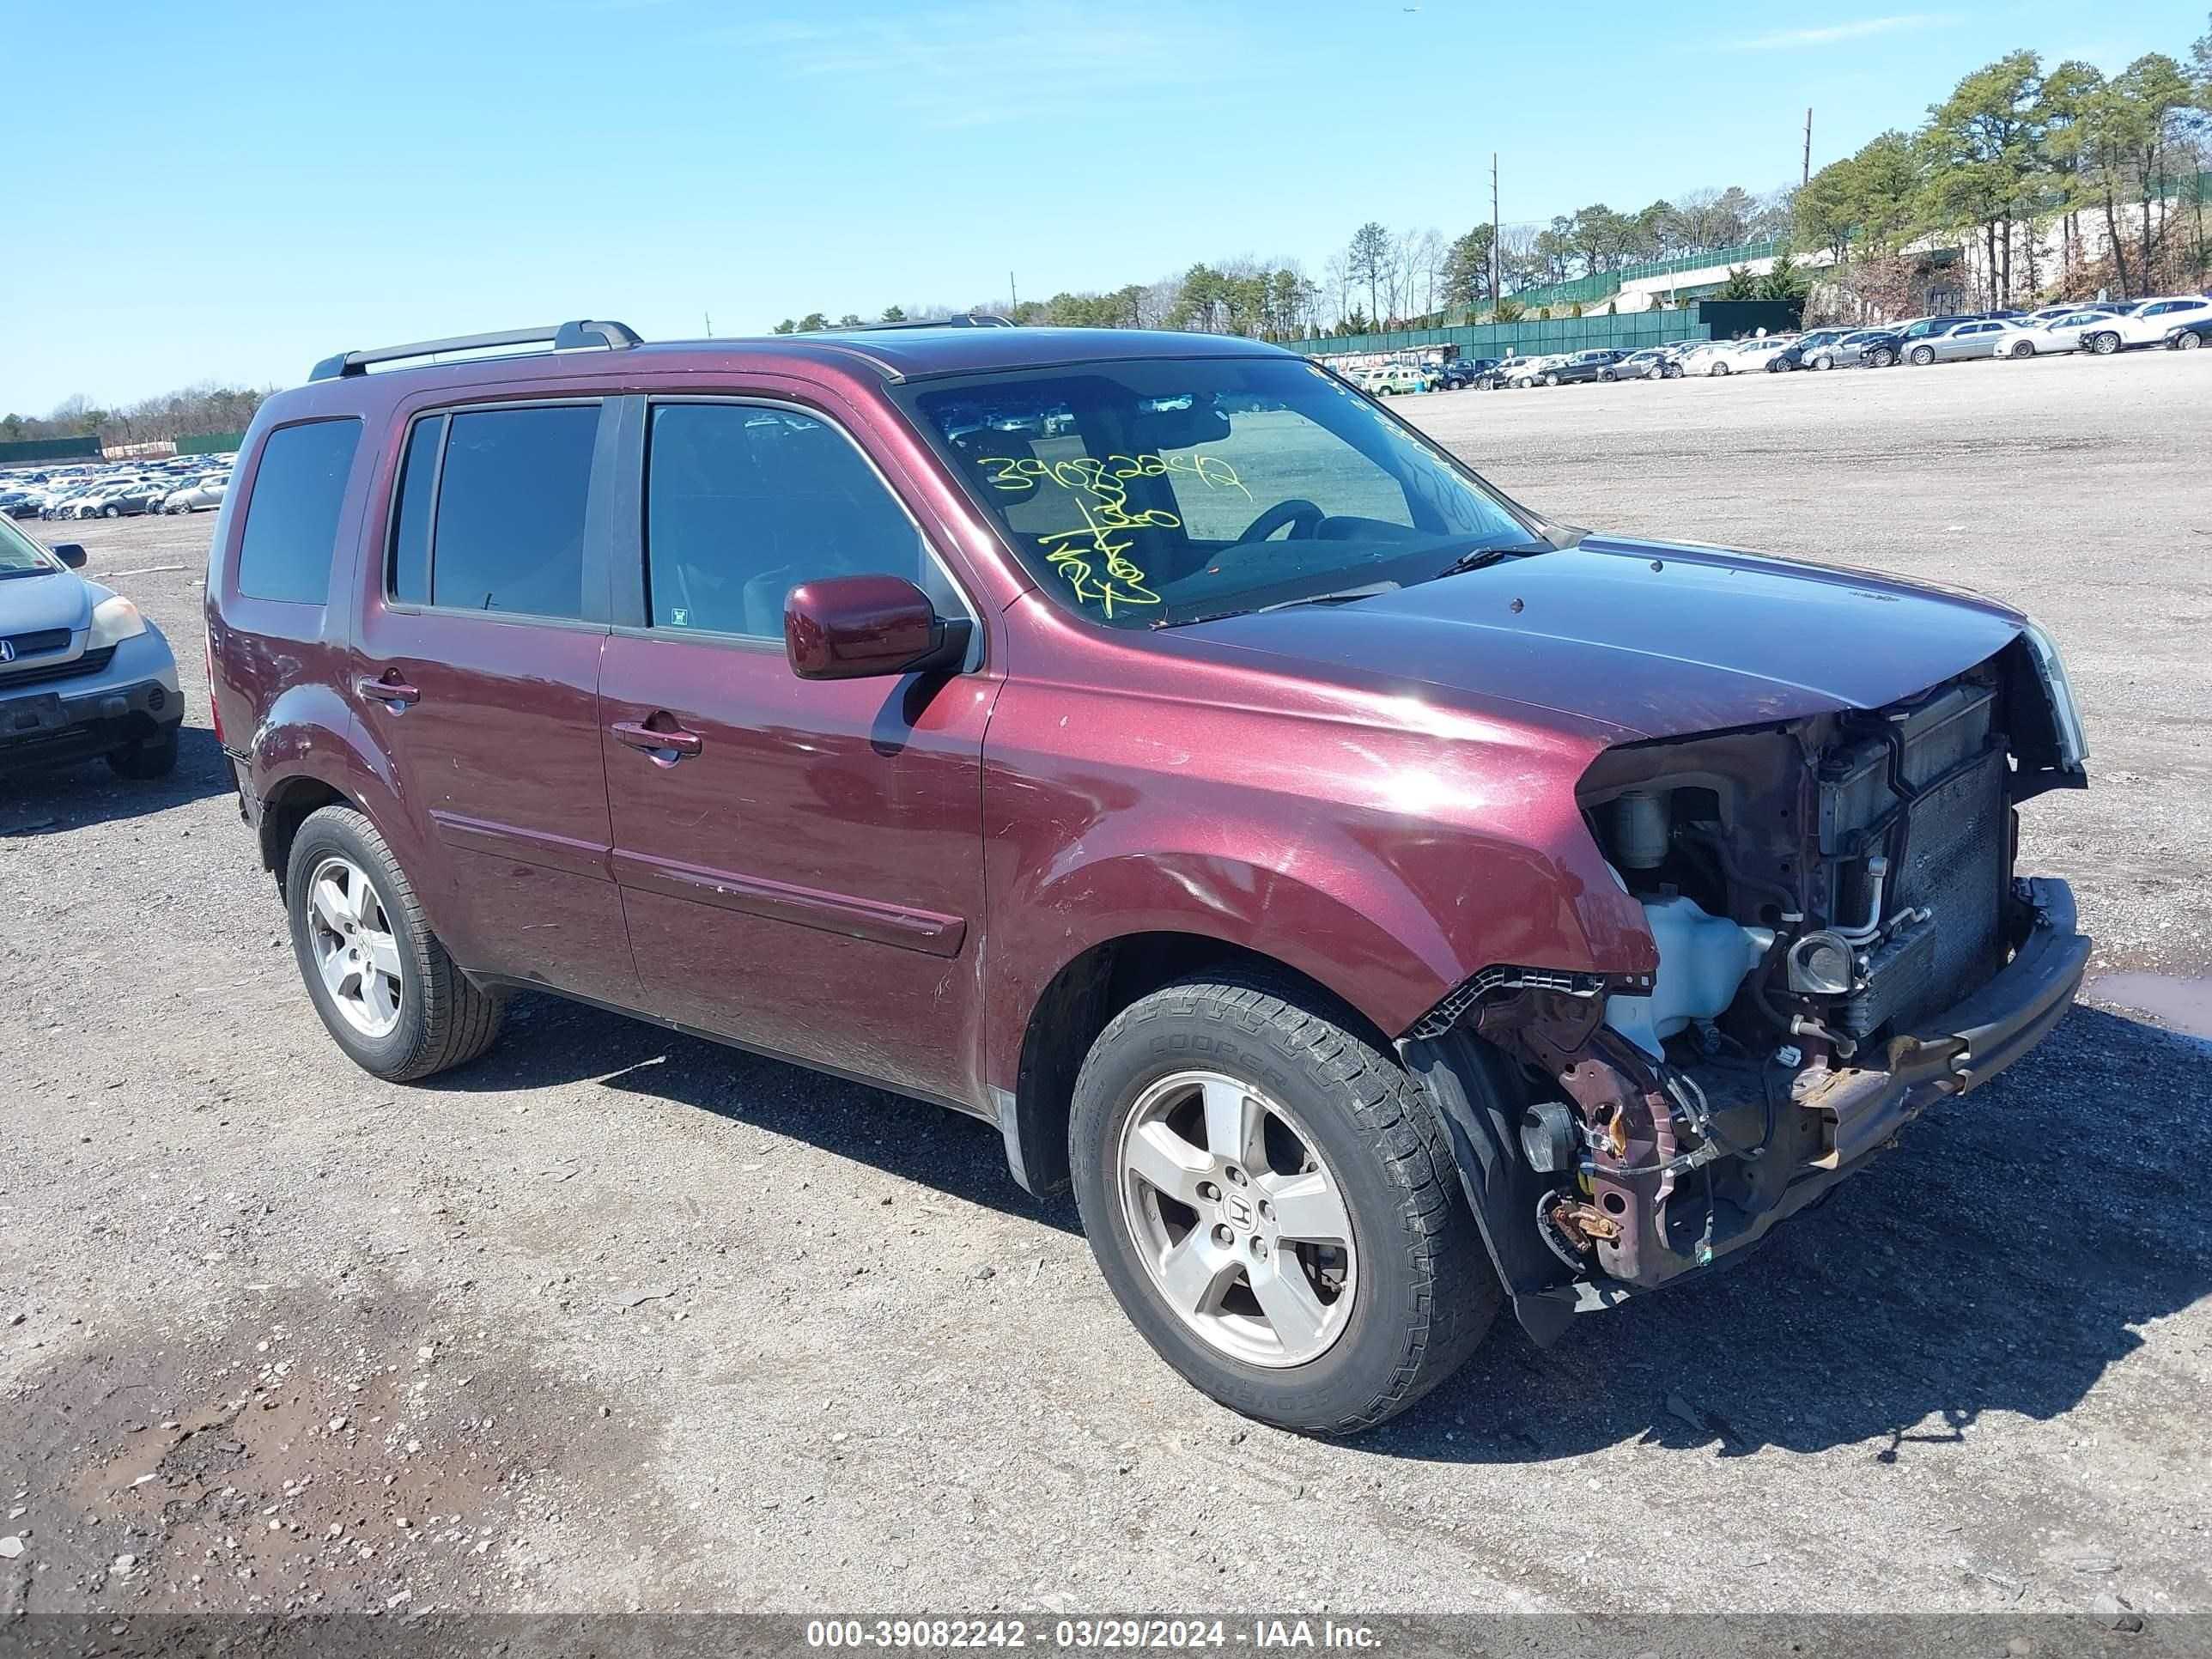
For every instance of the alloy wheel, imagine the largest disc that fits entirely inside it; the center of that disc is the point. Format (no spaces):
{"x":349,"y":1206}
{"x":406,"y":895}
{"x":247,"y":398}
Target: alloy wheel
{"x":2188,"y":343}
{"x":1241,"y":1226}
{"x":354,"y":945}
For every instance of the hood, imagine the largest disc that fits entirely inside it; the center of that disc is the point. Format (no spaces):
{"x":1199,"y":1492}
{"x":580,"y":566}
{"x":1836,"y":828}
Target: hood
{"x":1655,"y":639}
{"x":31,"y":604}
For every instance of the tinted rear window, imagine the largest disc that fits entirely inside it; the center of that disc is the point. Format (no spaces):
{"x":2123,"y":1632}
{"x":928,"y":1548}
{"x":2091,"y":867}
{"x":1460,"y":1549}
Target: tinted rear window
{"x":507,"y":532}
{"x":292,"y":520}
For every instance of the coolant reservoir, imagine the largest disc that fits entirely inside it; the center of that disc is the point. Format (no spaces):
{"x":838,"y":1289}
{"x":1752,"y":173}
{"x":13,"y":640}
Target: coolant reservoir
{"x":1702,"y":963}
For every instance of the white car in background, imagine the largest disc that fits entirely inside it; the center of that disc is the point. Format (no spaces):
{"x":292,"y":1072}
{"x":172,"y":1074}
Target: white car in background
{"x":205,"y":494}
{"x":1759,"y":353}
{"x":2146,"y":324}
{"x":2061,"y":333}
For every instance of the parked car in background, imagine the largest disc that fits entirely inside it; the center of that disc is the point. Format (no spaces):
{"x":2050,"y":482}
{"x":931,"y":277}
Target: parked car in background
{"x":1911,"y":332}
{"x":1521,"y":372}
{"x":2045,"y":315}
{"x":1464,"y":372}
{"x":1350,"y":1016}
{"x":1649,"y":364}
{"x":1706,"y":357}
{"x":2145,"y":325}
{"x":198,"y":497}
{"x":1757,"y":356}
{"x":1792,"y":356}
{"x":1582,"y":368}
{"x":82,"y":672}
{"x":129,"y":500}
{"x":1951,"y":343}
{"x":2061,"y":333}
{"x":1391,"y":378}
{"x":1876,"y":347}
{"x":2188,"y":336}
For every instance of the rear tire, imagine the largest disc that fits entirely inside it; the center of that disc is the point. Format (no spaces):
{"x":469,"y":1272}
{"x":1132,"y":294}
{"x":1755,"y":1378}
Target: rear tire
{"x":143,"y":763}
{"x":444,"y":1019}
{"x":1307,"y":1100}
{"x":1882,"y":357}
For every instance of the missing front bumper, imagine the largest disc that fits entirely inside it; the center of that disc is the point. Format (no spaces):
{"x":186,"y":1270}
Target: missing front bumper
{"x":1859,"y":1108}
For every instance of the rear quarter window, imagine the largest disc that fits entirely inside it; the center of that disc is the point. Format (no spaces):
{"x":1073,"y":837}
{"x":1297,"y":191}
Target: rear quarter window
{"x":292,"y":517}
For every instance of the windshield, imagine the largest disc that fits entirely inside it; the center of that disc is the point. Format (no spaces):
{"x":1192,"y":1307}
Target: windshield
{"x":19,"y":555}
{"x":1163,"y":490}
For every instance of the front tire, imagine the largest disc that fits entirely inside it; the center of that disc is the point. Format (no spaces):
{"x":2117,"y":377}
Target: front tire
{"x":1882,"y":357}
{"x":389,"y":994}
{"x":1923,"y":355}
{"x":2021,"y":348}
{"x":2188,"y":343}
{"x":1274,"y":1206}
{"x":2104,"y":344}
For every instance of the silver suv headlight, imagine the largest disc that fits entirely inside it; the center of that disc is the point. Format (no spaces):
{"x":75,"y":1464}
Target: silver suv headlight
{"x":114,"y":620}
{"x":2065,"y":711}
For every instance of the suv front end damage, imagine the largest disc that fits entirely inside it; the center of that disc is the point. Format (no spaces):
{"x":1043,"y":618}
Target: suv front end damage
{"x":1842,"y":943}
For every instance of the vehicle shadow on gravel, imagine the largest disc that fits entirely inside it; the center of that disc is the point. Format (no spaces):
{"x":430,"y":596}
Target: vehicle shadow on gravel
{"x":2005,"y":1253}
{"x":549,"y":1041}
{"x":51,"y":802}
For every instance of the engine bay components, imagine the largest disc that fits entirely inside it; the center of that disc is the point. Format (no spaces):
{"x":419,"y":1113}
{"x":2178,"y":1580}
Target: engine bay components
{"x":1819,"y":964}
{"x":1551,"y":1137}
{"x":1703,"y":960}
{"x":1642,"y":828}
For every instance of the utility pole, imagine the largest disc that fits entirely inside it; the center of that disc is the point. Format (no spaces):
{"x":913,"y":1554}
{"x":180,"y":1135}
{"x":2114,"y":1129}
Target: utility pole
{"x":709,"y":316}
{"x":1497,"y":243}
{"x":1806,"y":176}
{"x":1014,"y":300}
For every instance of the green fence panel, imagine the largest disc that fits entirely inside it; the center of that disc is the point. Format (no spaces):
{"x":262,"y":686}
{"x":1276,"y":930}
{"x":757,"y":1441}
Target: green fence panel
{"x":210,"y":443}
{"x":1628,"y":332}
{"x":17,"y":451}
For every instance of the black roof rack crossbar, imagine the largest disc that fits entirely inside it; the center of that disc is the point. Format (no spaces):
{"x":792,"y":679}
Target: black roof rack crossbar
{"x":561,"y":336}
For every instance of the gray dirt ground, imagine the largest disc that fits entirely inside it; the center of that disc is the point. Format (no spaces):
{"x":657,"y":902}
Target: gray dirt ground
{"x":615,"y":1319}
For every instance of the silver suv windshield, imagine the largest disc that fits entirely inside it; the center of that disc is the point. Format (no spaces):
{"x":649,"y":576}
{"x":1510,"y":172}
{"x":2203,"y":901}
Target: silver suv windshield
{"x":22,"y":556}
{"x":1158,"y":491}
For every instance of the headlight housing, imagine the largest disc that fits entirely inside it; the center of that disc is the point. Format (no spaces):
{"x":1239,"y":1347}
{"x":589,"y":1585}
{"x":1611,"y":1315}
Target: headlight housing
{"x":2065,"y":711}
{"x":114,"y":620}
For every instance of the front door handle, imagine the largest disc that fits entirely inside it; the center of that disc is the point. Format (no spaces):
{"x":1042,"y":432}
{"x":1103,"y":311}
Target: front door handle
{"x":389,"y":690}
{"x":667,"y":747}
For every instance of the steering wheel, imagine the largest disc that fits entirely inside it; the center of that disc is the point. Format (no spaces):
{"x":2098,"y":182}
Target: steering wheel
{"x":1302,"y":514}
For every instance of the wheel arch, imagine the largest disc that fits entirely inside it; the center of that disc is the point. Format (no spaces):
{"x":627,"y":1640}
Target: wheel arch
{"x":1095,"y":984}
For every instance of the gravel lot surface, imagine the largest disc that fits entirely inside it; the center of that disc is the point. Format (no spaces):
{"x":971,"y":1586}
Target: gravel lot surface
{"x":616,"y":1320}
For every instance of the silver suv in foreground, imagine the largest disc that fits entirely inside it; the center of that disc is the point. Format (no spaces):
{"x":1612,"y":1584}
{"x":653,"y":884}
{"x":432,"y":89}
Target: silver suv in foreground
{"x":82,"y":672}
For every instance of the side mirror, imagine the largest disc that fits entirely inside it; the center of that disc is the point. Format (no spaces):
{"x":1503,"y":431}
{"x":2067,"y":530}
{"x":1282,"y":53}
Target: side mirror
{"x":854,"y":628}
{"x":70,"y":554}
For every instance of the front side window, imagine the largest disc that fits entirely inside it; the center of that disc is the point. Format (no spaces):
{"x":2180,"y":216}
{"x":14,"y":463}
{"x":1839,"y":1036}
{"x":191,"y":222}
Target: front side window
{"x":744,"y":501}
{"x":292,"y":517}
{"x":1164,"y":489}
{"x":491,"y":511}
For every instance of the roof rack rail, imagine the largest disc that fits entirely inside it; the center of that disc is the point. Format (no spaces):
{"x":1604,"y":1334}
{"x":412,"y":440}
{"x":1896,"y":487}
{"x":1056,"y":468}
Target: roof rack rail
{"x":561,"y":336}
{"x":970,"y":320}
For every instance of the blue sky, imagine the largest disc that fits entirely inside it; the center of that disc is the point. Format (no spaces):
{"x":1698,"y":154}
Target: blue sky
{"x":231,"y":190}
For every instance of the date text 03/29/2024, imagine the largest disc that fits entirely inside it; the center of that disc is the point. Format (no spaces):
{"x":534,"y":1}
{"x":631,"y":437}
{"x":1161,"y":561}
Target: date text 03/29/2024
{"x":941,"y":1634}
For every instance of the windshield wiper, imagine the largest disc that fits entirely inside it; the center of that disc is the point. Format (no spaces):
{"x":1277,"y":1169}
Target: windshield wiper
{"x":1340,"y":596}
{"x":1475,"y":558}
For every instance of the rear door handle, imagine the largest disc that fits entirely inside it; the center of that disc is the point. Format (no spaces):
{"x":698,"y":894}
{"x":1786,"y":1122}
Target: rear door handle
{"x":390,"y":689}
{"x":668,"y":746}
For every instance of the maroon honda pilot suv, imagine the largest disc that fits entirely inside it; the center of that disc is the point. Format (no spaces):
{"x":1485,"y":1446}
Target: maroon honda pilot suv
{"x":1380,"y":901}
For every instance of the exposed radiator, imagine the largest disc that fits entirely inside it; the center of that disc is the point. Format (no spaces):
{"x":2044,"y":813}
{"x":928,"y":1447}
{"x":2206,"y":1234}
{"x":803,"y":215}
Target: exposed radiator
{"x":1955,"y":849}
